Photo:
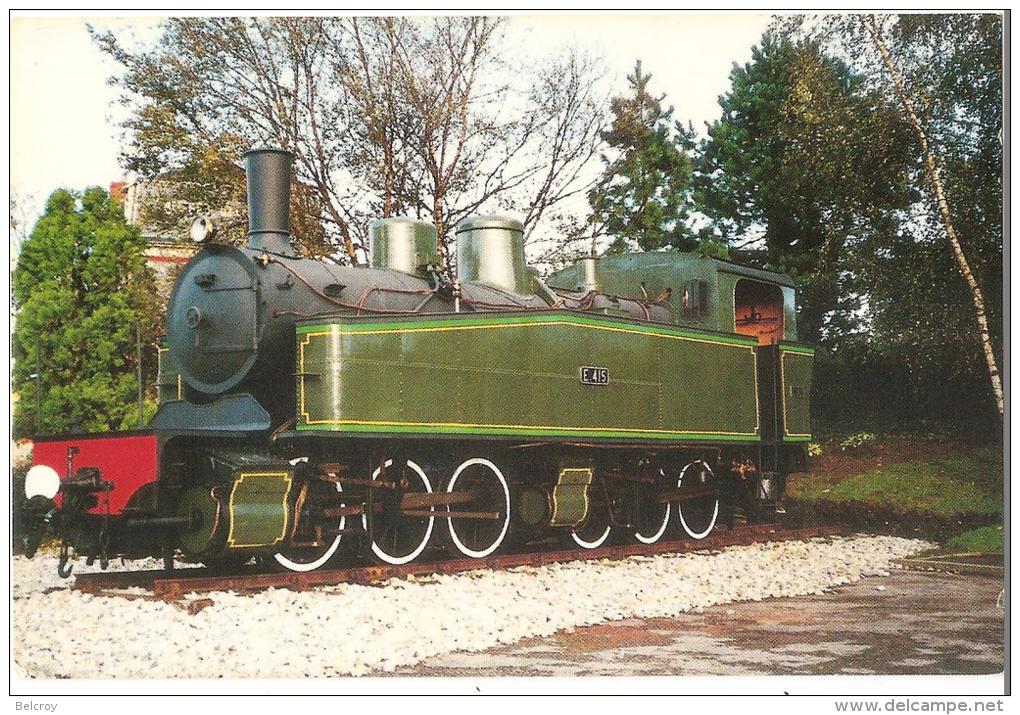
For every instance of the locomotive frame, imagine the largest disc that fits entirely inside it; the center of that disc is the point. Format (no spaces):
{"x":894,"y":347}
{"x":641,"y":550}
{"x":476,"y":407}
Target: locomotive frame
{"x":312,"y":412}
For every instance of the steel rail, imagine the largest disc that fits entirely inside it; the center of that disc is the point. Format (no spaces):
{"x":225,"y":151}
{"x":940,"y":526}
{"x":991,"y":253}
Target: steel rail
{"x":173,"y":585}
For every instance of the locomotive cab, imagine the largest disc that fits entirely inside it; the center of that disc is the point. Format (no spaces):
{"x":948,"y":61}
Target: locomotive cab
{"x":758,"y":310}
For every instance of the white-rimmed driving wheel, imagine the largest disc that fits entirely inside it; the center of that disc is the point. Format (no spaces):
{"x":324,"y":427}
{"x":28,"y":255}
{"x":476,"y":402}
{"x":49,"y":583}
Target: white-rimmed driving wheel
{"x":485,"y":531}
{"x":595,"y":530}
{"x":591,"y":536}
{"x":394,"y":537}
{"x":651,"y":516}
{"x":698,"y":514}
{"x":303,"y":558}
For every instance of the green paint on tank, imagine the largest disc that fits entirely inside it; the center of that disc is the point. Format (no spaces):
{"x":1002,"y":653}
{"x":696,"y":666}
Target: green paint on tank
{"x":430,"y":323}
{"x":796,"y":367}
{"x":521,"y":375}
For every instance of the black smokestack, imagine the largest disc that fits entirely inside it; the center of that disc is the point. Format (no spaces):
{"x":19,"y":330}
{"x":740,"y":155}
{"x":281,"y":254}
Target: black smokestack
{"x":268,"y":173}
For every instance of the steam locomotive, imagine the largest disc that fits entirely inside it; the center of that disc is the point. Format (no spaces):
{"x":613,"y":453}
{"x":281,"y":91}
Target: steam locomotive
{"x":312,"y":412}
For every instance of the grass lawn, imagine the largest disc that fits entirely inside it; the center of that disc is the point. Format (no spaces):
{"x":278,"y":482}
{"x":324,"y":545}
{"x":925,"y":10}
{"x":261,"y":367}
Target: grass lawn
{"x":986,"y":540}
{"x":965,"y":480}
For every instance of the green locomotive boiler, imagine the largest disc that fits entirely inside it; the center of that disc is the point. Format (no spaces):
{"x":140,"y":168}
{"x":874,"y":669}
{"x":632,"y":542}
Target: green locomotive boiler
{"x":312,"y":412}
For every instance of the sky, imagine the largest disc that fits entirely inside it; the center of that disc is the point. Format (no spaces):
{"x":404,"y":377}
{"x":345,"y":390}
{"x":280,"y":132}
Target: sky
{"x":64,"y":120}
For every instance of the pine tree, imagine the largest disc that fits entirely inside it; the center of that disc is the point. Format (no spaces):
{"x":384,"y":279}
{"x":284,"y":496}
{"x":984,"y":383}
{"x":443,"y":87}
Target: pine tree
{"x":80,"y":287}
{"x":809,"y":164}
{"x":644,"y":193}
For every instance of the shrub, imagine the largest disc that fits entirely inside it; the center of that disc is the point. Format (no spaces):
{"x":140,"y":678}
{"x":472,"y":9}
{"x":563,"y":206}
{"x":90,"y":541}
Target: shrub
{"x":856,"y":441}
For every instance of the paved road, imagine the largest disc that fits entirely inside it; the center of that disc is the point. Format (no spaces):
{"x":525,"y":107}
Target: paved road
{"x":908,"y":623}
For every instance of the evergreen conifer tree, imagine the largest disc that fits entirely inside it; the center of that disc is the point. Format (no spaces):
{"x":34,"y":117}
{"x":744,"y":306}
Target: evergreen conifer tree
{"x":81,"y":287}
{"x":644,"y":193}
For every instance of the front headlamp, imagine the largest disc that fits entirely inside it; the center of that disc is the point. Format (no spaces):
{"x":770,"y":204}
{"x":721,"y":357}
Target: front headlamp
{"x":202,"y":229}
{"x":42,"y":481}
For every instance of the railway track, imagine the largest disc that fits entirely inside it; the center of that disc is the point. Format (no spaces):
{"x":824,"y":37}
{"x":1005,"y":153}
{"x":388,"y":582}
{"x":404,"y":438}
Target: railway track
{"x":173,"y":585}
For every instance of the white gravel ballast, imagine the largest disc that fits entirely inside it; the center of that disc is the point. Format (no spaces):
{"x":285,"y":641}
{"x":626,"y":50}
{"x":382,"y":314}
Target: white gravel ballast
{"x":354,"y":630}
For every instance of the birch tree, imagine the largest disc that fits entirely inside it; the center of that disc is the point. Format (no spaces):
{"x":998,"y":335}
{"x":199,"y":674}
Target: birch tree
{"x":932,"y":170}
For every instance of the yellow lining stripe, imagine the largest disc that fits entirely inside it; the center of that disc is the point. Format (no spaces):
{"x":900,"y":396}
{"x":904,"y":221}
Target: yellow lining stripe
{"x":782,"y":369}
{"x":383,"y":423}
{"x":536,"y":323}
{"x":590,"y":474}
{"x":286,"y":494}
{"x":159,"y":358}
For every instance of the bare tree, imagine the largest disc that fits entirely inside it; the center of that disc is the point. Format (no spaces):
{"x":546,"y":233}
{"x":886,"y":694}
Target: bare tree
{"x":215,"y":86}
{"x":935,"y":181}
{"x":368,"y":69}
{"x":386,"y":116}
{"x":485,"y":139}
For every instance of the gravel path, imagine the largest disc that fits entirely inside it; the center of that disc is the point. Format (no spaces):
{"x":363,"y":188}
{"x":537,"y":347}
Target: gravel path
{"x":354,"y":630}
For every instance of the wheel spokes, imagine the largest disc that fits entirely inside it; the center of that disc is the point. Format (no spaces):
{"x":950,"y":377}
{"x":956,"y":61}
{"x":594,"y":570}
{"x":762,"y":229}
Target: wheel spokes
{"x":303,"y":558}
{"x":397,"y":538}
{"x":486,"y":521}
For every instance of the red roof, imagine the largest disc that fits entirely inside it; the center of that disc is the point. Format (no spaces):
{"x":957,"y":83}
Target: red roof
{"x":117,"y":190}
